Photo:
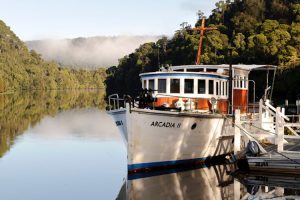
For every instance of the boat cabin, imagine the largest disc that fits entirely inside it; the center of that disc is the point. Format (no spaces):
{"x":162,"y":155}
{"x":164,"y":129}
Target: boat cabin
{"x":200,"y":87}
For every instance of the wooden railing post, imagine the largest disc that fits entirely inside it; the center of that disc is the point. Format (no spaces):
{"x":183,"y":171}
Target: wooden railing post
{"x":237,"y":131}
{"x":261,"y":112}
{"x":279,"y":130}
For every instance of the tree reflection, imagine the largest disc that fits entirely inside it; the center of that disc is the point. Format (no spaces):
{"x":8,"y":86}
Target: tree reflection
{"x":19,"y":111}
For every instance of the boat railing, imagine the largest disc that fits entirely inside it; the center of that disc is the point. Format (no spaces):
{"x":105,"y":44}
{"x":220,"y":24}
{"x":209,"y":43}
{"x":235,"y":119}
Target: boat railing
{"x":115,"y":102}
{"x":251,"y":108}
{"x":278,"y":129}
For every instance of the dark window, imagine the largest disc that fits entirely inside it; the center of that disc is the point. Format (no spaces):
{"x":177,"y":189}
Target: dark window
{"x":151,"y":84}
{"x":201,"y":86}
{"x":175,"y":85}
{"x":145,"y":82}
{"x":217,"y":88}
{"x":162,"y":85}
{"x":241,"y":82}
{"x":211,"y":87}
{"x":223,"y":88}
{"x":211,"y":70}
{"x":189,"y":86}
{"x":195,"y":70}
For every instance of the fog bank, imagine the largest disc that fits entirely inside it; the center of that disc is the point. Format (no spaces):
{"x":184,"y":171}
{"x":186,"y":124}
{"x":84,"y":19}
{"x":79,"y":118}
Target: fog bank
{"x":91,"y":52}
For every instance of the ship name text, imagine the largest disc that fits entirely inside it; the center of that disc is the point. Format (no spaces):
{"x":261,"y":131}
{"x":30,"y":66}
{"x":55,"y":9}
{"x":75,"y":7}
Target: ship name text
{"x":165,"y":124}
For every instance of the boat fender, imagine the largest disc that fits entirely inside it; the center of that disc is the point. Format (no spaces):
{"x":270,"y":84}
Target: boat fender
{"x":214,"y":102}
{"x":252,"y":149}
{"x":180,"y":104}
{"x":189,"y":105}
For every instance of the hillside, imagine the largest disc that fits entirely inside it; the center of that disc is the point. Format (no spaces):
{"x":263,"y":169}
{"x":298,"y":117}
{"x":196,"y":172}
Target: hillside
{"x":258,"y":31}
{"x":21,"y":69}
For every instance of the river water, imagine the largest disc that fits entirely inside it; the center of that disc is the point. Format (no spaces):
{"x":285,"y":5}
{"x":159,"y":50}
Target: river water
{"x":63,"y":145}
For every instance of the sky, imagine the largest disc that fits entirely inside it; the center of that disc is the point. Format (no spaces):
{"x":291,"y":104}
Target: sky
{"x":57,"y":19}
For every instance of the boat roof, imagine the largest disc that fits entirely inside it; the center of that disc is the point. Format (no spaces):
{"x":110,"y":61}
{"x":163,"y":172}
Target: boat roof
{"x":226,"y":66}
{"x":220,"y":70}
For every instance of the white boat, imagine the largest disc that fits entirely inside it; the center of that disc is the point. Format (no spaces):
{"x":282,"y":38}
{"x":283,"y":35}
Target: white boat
{"x":181,"y":115}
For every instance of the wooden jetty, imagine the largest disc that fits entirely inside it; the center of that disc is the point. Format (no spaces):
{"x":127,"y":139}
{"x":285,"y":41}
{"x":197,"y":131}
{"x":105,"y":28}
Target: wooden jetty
{"x":269,"y":140}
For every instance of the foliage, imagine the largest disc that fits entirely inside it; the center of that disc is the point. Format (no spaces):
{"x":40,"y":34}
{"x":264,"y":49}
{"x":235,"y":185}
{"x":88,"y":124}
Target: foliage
{"x":257,"y":35}
{"x":21,"y":69}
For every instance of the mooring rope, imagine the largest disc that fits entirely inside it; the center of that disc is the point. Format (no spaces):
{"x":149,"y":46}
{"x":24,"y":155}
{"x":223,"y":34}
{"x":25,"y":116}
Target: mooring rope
{"x":261,"y":129}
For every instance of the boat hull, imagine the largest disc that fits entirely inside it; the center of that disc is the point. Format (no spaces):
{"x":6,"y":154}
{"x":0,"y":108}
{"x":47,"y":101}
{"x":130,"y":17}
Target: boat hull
{"x":162,"y":139}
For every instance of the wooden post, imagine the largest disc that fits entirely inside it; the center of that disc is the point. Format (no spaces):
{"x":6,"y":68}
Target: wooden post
{"x":237,"y":132}
{"x":298,"y":106}
{"x":237,"y":190}
{"x":261,"y":112}
{"x":279,"y":130}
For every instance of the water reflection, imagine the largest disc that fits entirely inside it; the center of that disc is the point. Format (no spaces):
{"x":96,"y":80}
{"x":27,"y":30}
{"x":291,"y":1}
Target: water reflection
{"x":263,"y":185}
{"x":217,"y":182}
{"x":19,"y":111}
{"x":203,"y":183}
{"x":83,"y":124}
{"x":59,"y":146}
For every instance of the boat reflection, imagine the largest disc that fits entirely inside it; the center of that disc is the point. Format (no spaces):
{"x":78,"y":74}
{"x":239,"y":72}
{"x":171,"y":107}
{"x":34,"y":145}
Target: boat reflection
{"x":215,"y":182}
{"x":202,"y":183}
{"x":262,"y":185}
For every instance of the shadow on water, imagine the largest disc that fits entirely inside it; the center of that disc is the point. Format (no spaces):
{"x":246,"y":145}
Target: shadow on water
{"x":215,"y":182}
{"x":19,"y":111}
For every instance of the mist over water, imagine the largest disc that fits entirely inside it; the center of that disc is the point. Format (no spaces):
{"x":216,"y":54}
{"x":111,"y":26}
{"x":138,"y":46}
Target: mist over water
{"x":92,"y":52}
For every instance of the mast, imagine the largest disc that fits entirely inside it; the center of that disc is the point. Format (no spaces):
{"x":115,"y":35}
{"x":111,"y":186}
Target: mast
{"x":201,"y":29}
{"x":230,"y":92}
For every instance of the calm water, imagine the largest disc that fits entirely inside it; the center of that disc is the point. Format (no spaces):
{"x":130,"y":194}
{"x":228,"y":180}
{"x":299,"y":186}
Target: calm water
{"x":64,"y":146}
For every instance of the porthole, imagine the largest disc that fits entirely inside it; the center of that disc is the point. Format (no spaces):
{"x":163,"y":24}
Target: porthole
{"x":194,"y":126}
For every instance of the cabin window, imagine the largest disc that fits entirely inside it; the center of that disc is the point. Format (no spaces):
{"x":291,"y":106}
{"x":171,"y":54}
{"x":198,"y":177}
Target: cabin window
{"x":201,"y":86}
{"x":189,"y":86}
{"x":223,"y":88}
{"x":162,"y":85}
{"x":151,"y":84}
{"x":145,"y":84}
{"x":217,"y":88}
{"x":226,"y":88}
{"x":175,"y":85}
{"x":241,"y":82}
{"x":211,"y":87}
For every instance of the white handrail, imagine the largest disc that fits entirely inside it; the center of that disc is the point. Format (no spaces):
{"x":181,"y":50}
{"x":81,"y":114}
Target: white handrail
{"x":274,"y":110}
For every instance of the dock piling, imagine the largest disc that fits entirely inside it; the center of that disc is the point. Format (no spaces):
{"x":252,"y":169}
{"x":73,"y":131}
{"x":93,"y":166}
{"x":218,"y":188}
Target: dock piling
{"x":279,"y":130}
{"x":237,"y":132}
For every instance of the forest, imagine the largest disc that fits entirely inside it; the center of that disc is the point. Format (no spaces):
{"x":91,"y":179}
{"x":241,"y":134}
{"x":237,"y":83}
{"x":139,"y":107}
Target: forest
{"x":257,"y":32}
{"x":21,"y":69}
